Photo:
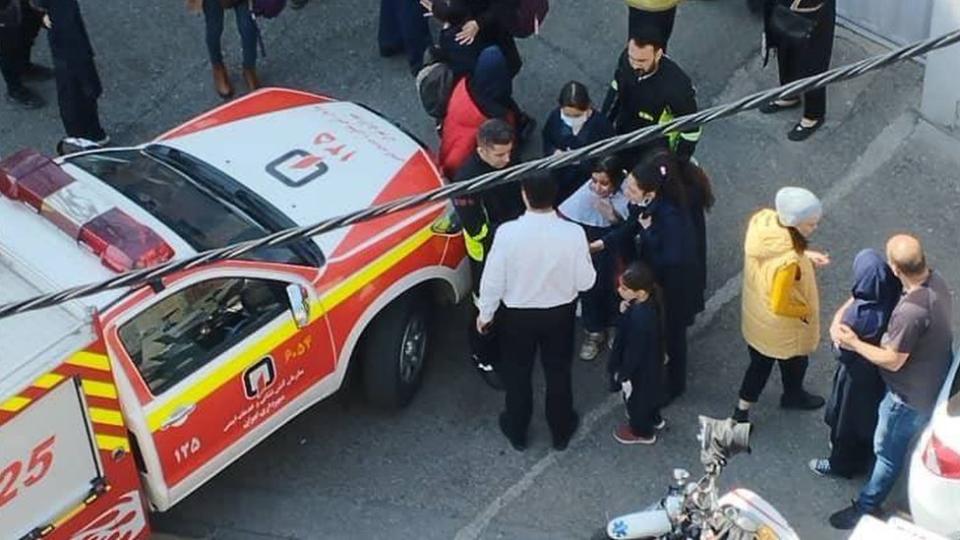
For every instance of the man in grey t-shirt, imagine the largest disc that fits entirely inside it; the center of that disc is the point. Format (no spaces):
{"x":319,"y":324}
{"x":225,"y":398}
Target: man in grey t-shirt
{"x":914,"y":358}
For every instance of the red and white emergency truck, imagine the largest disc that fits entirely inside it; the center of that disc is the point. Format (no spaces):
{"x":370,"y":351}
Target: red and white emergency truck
{"x":126,"y":402}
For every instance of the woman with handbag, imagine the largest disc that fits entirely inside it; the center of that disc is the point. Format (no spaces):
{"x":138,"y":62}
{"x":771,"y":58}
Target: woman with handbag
{"x":213,"y":11}
{"x":656,"y":13}
{"x":802,"y":33}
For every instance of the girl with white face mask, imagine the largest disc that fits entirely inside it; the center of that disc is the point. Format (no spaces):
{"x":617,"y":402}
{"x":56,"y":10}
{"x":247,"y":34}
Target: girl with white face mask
{"x":573,"y":124}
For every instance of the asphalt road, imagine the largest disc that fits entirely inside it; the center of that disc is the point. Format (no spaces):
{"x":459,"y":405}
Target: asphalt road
{"x":440,"y":468}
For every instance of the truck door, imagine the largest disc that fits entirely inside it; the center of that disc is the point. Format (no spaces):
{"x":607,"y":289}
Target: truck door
{"x":221,"y":362}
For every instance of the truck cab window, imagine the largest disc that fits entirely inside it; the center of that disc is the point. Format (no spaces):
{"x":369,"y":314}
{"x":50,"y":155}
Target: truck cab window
{"x":183,"y":332}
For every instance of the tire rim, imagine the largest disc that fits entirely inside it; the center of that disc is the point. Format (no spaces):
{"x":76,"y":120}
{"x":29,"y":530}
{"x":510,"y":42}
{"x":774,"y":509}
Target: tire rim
{"x":413,"y":349}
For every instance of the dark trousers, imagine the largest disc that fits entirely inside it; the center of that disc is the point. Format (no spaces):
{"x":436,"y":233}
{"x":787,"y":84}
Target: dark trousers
{"x":403,"y":27}
{"x":662,"y":20}
{"x":792,"y":371}
{"x":643,"y":414}
{"x":598,"y":304}
{"x":246,"y":27}
{"x":523,"y":332}
{"x":811,"y":58}
{"x":16,"y":42}
{"x":78,"y":88}
{"x":675,"y":331}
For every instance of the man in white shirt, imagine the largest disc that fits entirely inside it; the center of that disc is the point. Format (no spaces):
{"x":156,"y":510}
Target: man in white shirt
{"x":537,"y":267}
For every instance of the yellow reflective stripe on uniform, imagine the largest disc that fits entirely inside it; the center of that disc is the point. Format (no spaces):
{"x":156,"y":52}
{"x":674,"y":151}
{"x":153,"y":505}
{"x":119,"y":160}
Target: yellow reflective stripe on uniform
{"x":332,"y":298}
{"x":14,"y":404}
{"x":692,"y":136}
{"x":48,"y":381}
{"x":474,"y":243}
{"x":90,"y":360}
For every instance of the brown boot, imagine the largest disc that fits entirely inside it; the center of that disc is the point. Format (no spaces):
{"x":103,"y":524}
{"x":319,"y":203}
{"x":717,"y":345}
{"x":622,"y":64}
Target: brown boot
{"x":250,"y":75}
{"x":221,"y":81}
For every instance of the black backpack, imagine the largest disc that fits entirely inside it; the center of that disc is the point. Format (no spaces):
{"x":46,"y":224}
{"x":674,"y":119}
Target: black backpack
{"x":435,"y":82}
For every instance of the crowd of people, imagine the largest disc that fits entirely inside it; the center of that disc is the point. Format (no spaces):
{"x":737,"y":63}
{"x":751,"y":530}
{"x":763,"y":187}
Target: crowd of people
{"x":622,"y":239}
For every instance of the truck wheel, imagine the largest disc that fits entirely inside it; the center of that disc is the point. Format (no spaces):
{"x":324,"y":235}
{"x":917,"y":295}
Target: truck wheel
{"x":394,"y":350}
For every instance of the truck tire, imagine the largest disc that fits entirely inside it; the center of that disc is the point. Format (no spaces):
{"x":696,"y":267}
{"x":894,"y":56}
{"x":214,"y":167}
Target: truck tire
{"x":394,"y":351}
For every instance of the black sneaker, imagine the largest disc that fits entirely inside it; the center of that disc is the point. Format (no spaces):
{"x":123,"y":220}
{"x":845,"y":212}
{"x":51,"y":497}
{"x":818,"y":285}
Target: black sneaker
{"x":804,"y":401}
{"x":518,"y":444}
{"x":847,"y":518}
{"x":822,"y":467}
{"x":740,"y":416}
{"x":560,"y":444}
{"x":24,"y":97}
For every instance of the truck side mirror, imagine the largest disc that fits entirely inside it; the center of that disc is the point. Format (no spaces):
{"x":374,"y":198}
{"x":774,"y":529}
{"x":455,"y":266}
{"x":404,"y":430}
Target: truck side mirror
{"x":299,"y":304}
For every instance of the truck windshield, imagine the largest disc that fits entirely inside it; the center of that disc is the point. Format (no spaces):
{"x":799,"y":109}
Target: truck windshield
{"x":207,"y":214}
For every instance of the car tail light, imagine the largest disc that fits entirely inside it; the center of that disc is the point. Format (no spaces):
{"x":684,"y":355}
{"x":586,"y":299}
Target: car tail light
{"x":82,"y":211}
{"x":940,"y":459}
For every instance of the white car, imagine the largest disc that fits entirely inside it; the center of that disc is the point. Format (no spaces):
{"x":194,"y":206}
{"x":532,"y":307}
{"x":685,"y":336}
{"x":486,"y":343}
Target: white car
{"x":934,"y":483}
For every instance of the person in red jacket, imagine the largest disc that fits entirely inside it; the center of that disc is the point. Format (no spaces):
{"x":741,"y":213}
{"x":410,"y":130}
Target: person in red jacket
{"x":483,"y":95}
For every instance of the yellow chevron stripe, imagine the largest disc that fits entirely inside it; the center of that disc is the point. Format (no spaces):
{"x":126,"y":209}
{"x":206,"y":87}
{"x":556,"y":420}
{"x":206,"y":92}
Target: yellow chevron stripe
{"x":111,"y":443}
{"x":99,"y":389}
{"x":90,"y":360}
{"x":48,"y":381}
{"x":106,"y":416}
{"x":14,"y":404}
{"x":328,"y":301}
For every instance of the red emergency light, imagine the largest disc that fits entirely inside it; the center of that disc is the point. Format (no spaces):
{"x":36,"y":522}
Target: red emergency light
{"x":121,"y":242}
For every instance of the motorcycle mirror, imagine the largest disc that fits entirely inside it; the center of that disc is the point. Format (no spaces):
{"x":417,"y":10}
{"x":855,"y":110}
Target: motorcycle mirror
{"x":681,"y":475}
{"x":722,"y":439}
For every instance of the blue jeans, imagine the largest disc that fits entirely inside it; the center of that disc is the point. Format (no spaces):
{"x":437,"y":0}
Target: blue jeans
{"x":897,"y":424}
{"x":213,"y":16}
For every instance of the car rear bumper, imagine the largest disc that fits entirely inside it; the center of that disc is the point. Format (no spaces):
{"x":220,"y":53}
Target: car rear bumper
{"x":934,"y":500}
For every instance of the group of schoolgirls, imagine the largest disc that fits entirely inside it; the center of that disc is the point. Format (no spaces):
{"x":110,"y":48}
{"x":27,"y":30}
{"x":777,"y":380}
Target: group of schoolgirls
{"x":647,"y":235}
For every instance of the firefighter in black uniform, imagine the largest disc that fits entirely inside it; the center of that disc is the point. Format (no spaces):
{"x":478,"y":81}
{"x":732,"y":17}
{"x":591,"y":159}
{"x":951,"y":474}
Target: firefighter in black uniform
{"x":480,"y":215}
{"x":649,"y":88}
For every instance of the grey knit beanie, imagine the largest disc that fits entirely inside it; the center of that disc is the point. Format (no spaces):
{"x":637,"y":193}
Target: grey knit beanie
{"x":796,"y":205}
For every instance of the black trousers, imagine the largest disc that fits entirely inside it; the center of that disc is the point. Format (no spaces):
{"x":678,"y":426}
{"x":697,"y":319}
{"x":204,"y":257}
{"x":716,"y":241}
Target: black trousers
{"x":792,"y":371}
{"x":643,"y":413}
{"x":662,"y":20}
{"x":403,"y":27}
{"x":16,"y":42}
{"x":811,"y":58}
{"x":78,"y":88}
{"x":523,"y":332}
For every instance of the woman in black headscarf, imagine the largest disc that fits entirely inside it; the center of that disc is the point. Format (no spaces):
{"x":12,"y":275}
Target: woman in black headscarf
{"x":857,"y":386}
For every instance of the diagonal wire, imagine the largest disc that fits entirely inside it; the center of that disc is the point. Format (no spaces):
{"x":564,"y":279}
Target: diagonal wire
{"x":136,"y":278}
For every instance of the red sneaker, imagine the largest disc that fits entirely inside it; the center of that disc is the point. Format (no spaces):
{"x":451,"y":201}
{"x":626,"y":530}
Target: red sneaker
{"x":624,"y":435}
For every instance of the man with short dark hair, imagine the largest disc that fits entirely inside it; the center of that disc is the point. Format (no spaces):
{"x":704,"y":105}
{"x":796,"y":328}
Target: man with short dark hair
{"x":914,"y":358}
{"x":480,"y":215}
{"x":19,"y":26}
{"x":538,"y":266}
{"x":648,"y":88}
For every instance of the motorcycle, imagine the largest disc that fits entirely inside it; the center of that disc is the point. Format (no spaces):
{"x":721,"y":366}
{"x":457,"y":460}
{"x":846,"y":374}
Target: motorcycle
{"x":694,"y":511}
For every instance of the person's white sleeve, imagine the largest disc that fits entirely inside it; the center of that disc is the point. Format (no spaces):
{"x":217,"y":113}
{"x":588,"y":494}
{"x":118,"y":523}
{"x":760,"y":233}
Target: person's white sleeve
{"x":585,"y":275}
{"x":493,"y":282}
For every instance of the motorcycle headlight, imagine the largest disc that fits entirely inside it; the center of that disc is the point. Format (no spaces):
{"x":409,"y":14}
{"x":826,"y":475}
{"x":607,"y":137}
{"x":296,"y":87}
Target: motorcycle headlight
{"x":764,"y":532}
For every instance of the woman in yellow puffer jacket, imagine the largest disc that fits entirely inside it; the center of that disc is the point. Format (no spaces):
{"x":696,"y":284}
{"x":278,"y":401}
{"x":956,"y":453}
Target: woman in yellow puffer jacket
{"x":656,"y":13}
{"x":781,"y":305}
